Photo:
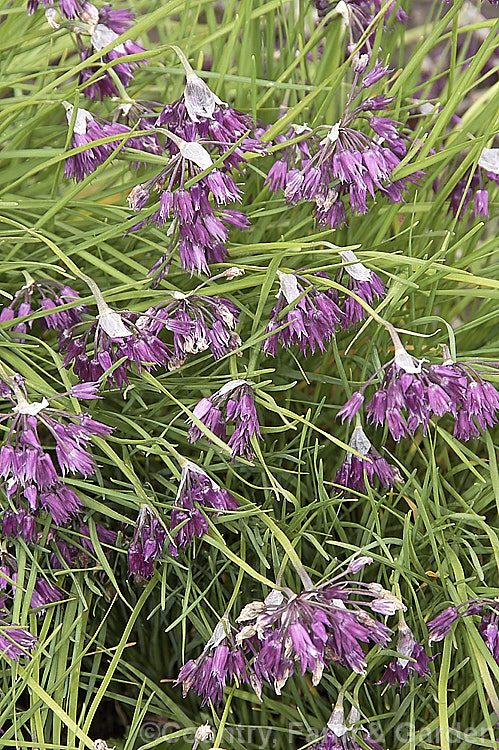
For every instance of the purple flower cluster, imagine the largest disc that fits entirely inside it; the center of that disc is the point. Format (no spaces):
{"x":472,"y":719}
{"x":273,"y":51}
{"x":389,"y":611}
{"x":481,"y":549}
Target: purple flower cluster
{"x":413,"y":659}
{"x":220,"y":663}
{"x":316,"y":628}
{"x":206,"y":323}
{"x":197,"y":493}
{"x":233,"y":402}
{"x":115,"y":336}
{"x":411,"y":392}
{"x":105,"y":26}
{"x":44,"y":593}
{"x":310,"y":323}
{"x":52,"y":295}
{"x":86,"y":129}
{"x":358,"y":473}
{"x":339,"y":735}
{"x":199,"y":128}
{"x":474,"y":184}
{"x":361,"y":281}
{"x":14,"y":640}
{"x":346,"y":162}
{"x":147,"y":544}
{"x":30,"y":477}
{"x":488,"y":628}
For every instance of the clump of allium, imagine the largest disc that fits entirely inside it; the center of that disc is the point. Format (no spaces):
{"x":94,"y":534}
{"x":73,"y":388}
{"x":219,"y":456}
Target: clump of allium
{"x":147,"y":544}
{"x":358,"y":473}
{"x":125,"y":337}
{"x":233,"y":402}
{"x":43,"y":295}
{"x":88,"y":128}
{"x":411,"y":392}
{"x":197,"y":495}
{"x":208,"y":323}
{"x":488,"y":628}
{"x":339,"y":735}
{"x":199,"y":128}
{"x":43,"y":445}
{"x":476,"y":183}
{"x":317,"y":627}
{"x":343,"y":162}
{"x":413,"y":659}
{"x":310,"y":323}
{"x":221,"y":663}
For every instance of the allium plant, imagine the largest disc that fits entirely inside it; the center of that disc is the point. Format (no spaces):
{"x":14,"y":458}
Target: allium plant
{"x":341,"y":161}
{"x":197,"y":493}
{"x":233,"y":402}
{"x":358,"y":152}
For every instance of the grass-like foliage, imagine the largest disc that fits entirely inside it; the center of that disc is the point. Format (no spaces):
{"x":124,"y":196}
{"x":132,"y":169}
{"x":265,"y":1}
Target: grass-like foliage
{"x":139,"y":509}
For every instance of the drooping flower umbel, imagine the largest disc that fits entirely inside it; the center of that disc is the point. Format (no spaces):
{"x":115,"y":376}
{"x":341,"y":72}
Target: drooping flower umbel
{"x":488,"y":628}
{"x":474,"y":183}
{"x":113,"y":336}
{"x":147,"y":543}
{"x":105,"y":26}
{"x":356,"y":473}
{"x":49,"y":295}
{"x":317,"y":628}
{"x":360,"y":280}
{"x":233,"y":402}
{"x":310,"y":323}
{"x":196,"y":494}
{"x":200,"y":128}
{"x":413,"y":658}
{"x":411,"y":392}
{"x":15,"y":641}
{"x":34,"y":474}
{"x":211,"y":319}
{"x":221,"y":663}
{"x":87,"y":128}
{"x":347,"y":162}
{"x":339,"y":735}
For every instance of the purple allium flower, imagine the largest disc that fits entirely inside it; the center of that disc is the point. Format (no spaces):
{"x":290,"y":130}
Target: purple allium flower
{"x":86,"y":130}
{"x":101,"y":35}
{"x":115,"y":335}
{"x":488,"y":628}
{"x":147,"y":544}
{"x":346,"y":162}
{"x":196,"y":489}
{"x":310,"y":323}
{"x":200,"y":129}
{"x":316,"y":628}
{"x":14,"y":640}
{"x":19,"y":523}
{"x":354,"y":471}
{"x":220,"y":663}
{"x":84,"y":555}
{"x":410,"y":385}
{"x":44,"y":593}
{"x":208,"y":322}
{"x":474,"y":183}
{"x":52,"y":295}
{"x":233,"y":402}
{"x":361,"y":281}
{"x":28,"y":468}
{"x":413,"y":659}
{"x":339,"y":735}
